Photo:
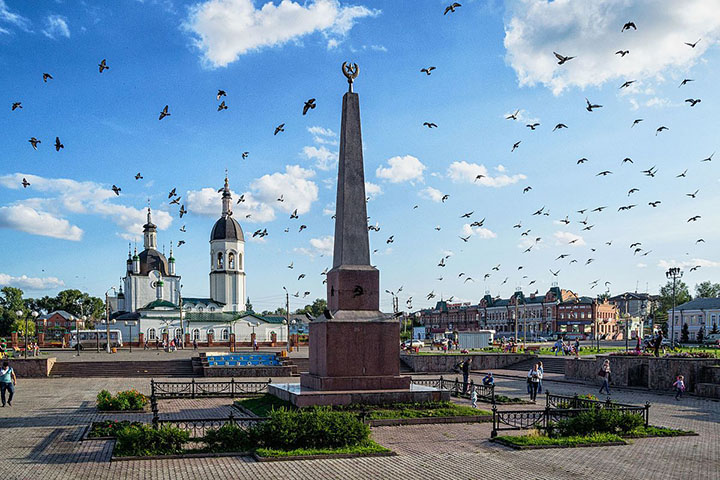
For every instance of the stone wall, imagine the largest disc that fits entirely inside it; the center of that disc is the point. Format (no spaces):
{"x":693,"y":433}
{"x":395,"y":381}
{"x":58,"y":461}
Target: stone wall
{"x":444,"y":363}
{"x":32,"y":367}
{"x":650,"y":372}
{"x":257,"y":371}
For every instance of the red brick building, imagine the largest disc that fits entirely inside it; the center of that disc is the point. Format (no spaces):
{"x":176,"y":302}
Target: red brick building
{"x":579,"y":316}
{"x":57,"y":320}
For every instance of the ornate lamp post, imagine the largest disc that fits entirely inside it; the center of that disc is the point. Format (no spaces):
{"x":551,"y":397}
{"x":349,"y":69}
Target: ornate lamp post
{"x":673,"y":274}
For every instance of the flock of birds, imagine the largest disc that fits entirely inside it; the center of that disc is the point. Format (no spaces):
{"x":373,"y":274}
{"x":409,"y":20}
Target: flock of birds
{"x":638,"y":248}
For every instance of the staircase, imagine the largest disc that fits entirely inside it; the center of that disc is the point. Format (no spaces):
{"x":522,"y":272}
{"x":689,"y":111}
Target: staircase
{"x":303,"y":364}
{"x":550,"y":365}
{"x":163,"y":368}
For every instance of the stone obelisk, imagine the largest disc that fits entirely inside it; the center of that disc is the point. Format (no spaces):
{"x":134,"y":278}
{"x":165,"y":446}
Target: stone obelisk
{"x":358,"y":347}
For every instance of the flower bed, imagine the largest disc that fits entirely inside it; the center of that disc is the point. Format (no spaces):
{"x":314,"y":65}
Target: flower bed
{"x":128,"y":400}
{"x":108,"y":428}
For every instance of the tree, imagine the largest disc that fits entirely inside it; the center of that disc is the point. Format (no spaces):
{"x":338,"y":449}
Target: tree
{"x":685,"y":333}
{"x":248,"y":306}
{"x":701,"y":335}
{"x":707,"y":289}
{"x":714,"y":329}
{"x":316,"y":309}
{"x":10,"y":302}
{"x":19,"y":326}
{"x":682,"y":294}
{"x":75,"y":302}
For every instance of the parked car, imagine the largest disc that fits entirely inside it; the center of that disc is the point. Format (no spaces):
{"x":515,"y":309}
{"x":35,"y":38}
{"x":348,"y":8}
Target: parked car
{"x":440,"y":342}
{"x":415,"y":343}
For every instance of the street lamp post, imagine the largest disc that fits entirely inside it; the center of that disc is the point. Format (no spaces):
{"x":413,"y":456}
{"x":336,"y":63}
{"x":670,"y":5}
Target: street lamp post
{"x":673,"y":273}
{"x":107,"y":319}
{"x":627,"y":319}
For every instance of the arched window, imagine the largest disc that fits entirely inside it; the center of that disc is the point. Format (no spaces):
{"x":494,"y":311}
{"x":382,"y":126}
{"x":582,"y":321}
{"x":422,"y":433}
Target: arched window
{"x":220,"y":263}
{"x":225,"y":334}
{"x":196,"y":334}
{"x":212,"y":309}
{"x":178,"y":333}
{"x":240,"y":260}
{"x":151,"y":334}
{"x":200,"y":309}
{"x":231,"y":261}
{"x":211,"y":332}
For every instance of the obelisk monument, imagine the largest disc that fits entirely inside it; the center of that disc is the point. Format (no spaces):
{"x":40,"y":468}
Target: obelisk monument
{"x":357,"y":347}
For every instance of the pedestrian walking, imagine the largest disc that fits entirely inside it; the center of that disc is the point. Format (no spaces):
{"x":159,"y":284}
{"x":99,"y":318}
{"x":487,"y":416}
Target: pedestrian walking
{"x":466,"y":373}
{"x":473,"y":397}
{"x":658,"y":343}
{"x":542,"y":372}
{"x":7,"y":383}
{"x":195,"y":344}
{"x":577,"y":347}
{"x":605,"y":374}
{"x":679,"y":386}
{"x":533,"y":379}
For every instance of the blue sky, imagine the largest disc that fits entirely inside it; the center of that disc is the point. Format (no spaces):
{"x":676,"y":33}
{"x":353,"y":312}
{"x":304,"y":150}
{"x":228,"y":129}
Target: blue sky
{"x":68,"y":230}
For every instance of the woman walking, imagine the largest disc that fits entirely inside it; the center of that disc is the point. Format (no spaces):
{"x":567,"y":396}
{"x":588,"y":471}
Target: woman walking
{"x":542,"y":372}
{"x":533,"y":382}
{"x":605,"y":374}
{"x":7,"y":382}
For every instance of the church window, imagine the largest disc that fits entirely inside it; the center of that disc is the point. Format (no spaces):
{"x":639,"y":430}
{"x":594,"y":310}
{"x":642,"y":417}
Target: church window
{"x":151,"y":334}
{"x":240,"y":264}
{"x":211,"y":332}
{"x":178,"y":333}
{"x":196,"y":334}
{"x":220,"y":264}
{"x":231,"y":261}
{"x":212,"y":309}
{"x":225,"y":334}
{"x":200,"y":309}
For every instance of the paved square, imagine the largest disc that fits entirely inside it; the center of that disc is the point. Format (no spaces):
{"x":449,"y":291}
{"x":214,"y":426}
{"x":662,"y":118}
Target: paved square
{"x":40,"y":440}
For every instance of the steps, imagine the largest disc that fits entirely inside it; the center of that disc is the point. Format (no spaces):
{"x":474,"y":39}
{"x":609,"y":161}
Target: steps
{"x":303,"y":364}
{"x":161,"y":368}
{"x":550,"y":365}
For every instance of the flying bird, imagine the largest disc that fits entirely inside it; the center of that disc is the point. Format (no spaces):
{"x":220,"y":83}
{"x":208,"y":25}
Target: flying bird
{"x":25,"y":183}
{"x":222,"y":106}
{"x":34,"y":142}
{"x":591,"y":106}
{"x":622,"y":53}
{"x":604,"y":173}
{"x":102,"y":66}
{"x":685,"y":82}
{"x":116,"y":189}
{"x":692,"y":45}
{"x":561,"y":58}
{"x":429,"y":125}
{"x":465,"y":239}
{"x":245,"y":155}
{"x":16,"y":105}
{"x":555,"y":274}
{"x":164,"y":113}
{"x":302,"y":227}
{"x":627,"y":84}
{"x":309,"y":105}
{"x":451,"y":8}
{"x":138,"y":176}
{"x":515,"y":145}
{"x":694,"y":219}
{"x":172,"y":193}
{"x":632,"y":190}
{"x":693,"y":101}
{"x":582,"y":160}
{"x":627,"y":160}
{"x":527,"y":189}
{"x":181,"y":243}
{"x":46,"y":77}
{"x":636,"y":121}
{"x":532,"y":126}
{"x":221,"y":93}
{"x":559,"y":126}
{"x":241,"y":199}
{"x":294,"y":214}
{"x":281,"y":198}
{"x":182,"y":211}
{"x":390,"y":239}
{"x":692,"y":195}
{"x":628,"y":26}
{"x":444,"y":197}
{"x":58,"y":145}
{"x":660,"y":129}
{"x":628,"y":207}
{"x":467,"y":215}
{"x":175,"y":201}
{"x":279,"y":128}
{"x":708,"y":159}
{"x":182,"y":229}
{"x":655,"y":203}
{"x":427,"y":70}
{"x":513,"y":116}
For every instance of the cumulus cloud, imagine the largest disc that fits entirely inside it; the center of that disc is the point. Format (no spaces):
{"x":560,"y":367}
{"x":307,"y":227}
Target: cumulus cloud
{"x":11,"y":19}
{"x":56,"y":26}
{"x":689,"y":263}
{"x":324,"y":158}
{"x":208,"y":202}
{"x":226,"y":29}
{"x":464,"y":172}
{"x":318,"y":246}
{"x":481,"y":232}
{"x":329,"y":209}
{"x":65,"y":196}
{"x":372,"y":190}
{"x":323,"y":136}
{"x":402,"y":169}
{"x":27,"y":219}
{"x":432,"y":194}
{"x":590,"y":31}
{"x":564,"y":239}
{"x":30,"y":283}
{"x":295,"y":186}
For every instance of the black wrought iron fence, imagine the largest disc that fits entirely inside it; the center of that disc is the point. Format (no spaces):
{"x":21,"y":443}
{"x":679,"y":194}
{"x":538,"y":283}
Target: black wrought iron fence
{"x":484,"y":392}
{"x":198,"y":427}
{"x":194,"y":389}
{"x":576,"y":401}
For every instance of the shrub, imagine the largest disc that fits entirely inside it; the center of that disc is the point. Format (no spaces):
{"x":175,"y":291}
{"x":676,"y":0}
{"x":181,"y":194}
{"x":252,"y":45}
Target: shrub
{"x":125,"y":400}
{"x":600,"y":420}
{"x":144,"y":440}
{"x":109,"y":428}
{"x":311,"y":428}
{"x":228,"y":438}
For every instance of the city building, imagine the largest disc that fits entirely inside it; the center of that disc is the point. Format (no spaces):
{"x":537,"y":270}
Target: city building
{"x":580,"y":316}
{"x":59,"y":320}
{"x":701,"y":313}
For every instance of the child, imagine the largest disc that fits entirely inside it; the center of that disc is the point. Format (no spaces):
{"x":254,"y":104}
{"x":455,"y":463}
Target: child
{"x":679,"y":386}
{"x":473,"y":397}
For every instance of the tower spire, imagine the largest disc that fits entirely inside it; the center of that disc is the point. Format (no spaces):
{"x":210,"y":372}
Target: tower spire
{"x":226,"y":198}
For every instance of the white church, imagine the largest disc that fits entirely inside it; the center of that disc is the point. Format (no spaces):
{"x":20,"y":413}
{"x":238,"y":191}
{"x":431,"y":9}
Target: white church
{"x":150,"y":296}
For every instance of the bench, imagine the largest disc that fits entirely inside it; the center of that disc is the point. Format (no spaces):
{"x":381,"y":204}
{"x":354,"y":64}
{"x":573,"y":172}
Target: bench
{"x":533,"y":348}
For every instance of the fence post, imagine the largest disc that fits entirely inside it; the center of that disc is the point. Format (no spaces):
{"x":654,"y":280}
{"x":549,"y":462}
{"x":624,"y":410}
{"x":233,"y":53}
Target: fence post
{"x":546,"y":420}
{"x":152,"y":387}
{"x":576,"y":401}
{"x":442,"y":383}
{"x":547,"y":397}
{"x":493,"y":434}
{"x":456,"y":387}
{"x":154,"y":408}
{"x":492,"y":393}
{"x":647,"y":414}
{"x":192,"y":388}
{"x":232,"y":388}
{"x":231,"y":419}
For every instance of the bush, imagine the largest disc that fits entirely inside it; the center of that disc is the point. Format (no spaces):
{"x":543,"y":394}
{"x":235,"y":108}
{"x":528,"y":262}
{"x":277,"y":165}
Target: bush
{"x":125,"y":400}
{"x":144,"y":440}
{"x":109,"y":428}
{"x":597,"y":420}
{"x":312,"y":428}
{"x":228,"y":438}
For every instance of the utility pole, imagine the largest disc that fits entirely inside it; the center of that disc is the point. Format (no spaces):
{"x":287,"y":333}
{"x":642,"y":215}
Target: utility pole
{"x":516,"y":318}
{"x":627,"y":319}
{"x":673,"y":273}
{"x":287,"y":317}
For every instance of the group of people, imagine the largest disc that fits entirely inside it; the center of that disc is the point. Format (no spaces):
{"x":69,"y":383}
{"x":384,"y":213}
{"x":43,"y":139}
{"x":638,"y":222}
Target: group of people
{"x":169,"y":346}
{"x":566,"y":348}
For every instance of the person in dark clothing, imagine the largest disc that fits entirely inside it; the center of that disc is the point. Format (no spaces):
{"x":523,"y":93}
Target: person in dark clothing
{"x":658,"y":343}
{"x":466,"y":373}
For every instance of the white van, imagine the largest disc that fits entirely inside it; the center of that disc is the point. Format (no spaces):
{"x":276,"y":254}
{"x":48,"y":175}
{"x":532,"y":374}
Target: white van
{"x":94,"y":338}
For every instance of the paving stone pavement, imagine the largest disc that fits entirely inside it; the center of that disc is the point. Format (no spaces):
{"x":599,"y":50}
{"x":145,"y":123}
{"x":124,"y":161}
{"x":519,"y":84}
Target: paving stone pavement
{"x":39,"y":439}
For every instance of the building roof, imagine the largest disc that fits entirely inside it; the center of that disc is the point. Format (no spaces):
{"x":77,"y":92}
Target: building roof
{"x":630,"y":296}
{"x":62,"y":313}
{"x":227,"y":228}
{"x":699,"y":304}
{"x":151,"y":259}
{"x":200,"y":301}
{"x":159,"y":303}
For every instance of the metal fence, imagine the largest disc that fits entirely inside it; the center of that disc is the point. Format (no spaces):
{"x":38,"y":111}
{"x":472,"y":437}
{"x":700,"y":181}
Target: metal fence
{"x":485,"y":392}
{"x":198,"y":427}
{"x":575,"y":401}
{"x":541,"y":419}
{"x":193,"y":389}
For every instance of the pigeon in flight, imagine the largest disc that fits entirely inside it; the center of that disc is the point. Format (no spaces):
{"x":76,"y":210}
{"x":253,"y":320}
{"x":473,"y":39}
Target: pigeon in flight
{"x":532,"y":126}
{"x":628,"y":26}
{"x":16,"y":105}
{"x":636,"y":121}
{"x":221,"y":93}
{"x":513,"y":116}
{"x":427,"y":70}
{"x":279,"y":128}
{"x":429,"y":125}
{"x":693,"y":101}
{"x":164,"y":113}
{"x":116,"y":189}
{"x":515,"y":146}
{"x":245,"y":155}
{"x":25,"y":183}
{"x":451,"y":8}
{"x":582,"y":160}
{"x":34,"y":142}
{"x":241,"y":199}
{"x":692,"y":45}
{"x":660,"y":129}
{"x":622,"y":53}
{"x":102,"y":66}
{"x":561,"y":58}
{"x":591,"y":106}
{"x":182,"y":229}
{"x":694,"y":219}
{"x":172,"y":193}
{"x":559,"y":126}
{"x":309,"y":105}
{"x":222,"y":106}
{"x":294,"y":214}
{"x":182,"y":210}
{"x":627,"y":84}
{"x":46,"y":77}
{"x":685,"y":82}
{"x":138,"y":176}
{"x":58,"y":145}
{"x":444,"y":197}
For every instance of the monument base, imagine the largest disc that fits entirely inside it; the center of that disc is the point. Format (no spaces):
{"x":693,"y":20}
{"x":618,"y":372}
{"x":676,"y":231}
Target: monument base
{"x":304,"y":397}
{"x":385,"y":382}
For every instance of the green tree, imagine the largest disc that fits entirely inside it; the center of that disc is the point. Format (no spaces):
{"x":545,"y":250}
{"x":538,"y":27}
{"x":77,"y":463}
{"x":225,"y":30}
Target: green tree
{"x":316,"y":309}
{"x":682,"y":295}
{"x":707,"y":289}
{"x":248,"y":306}
{"x":685,"y":333}
{"x":701,"y":335}
{"x":10,"y":302}
{"x":19,"y":326}
{"x":77,"y":303}
{"x":714,"y":329}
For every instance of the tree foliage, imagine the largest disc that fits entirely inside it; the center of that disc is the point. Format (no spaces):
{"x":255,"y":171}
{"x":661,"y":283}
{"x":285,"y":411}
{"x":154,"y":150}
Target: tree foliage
{"x":682,"y":294}
{"x":316,"y":309}
{"x":685,"y":333}
{"x":707,"y":289}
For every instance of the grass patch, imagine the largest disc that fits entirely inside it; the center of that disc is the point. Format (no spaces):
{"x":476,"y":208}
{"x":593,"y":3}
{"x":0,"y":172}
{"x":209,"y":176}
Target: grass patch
{"x":543,"y":440}
{"x":109,"y":428}
{"x":264,"y":404}
{"x":652,"y":431}
{"x":508,"y":400}
{"x":369,"y":447}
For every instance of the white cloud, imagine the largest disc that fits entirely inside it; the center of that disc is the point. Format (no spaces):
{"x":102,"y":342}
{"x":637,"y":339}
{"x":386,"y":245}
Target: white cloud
{"x":372,"y":190}
{"x":208,"y":202}
{"x":590,"y":31}
{"x":56,"y":26}
{"x":226,"y":29}
{"x":402,"y":169}
{"x":66,"y":196}
{"x":329,"y":209}
{"x":323,"y":136}
{"x":27,"y":219}
{"x":481,"y":232}
{"x":30,"y":283}
{"x":294,"y":185}
{"x":431,"y":193}
{"x":641,"y":265}
{"x":318,"y":246}
{"x":658,"y":102}
{"x":464,"y":172}
{"x":689,"y":263}
{"x":564,"y":239}
{"x":14,"y":19}
{"x":324,"y":158}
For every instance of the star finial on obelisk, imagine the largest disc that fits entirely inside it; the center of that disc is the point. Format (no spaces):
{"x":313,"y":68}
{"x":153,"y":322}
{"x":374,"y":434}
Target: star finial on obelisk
{"x":350,"y":70}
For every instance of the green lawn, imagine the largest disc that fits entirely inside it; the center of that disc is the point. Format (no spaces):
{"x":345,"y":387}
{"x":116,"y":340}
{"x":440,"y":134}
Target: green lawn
{"x":262,"y":405}
{"x":652,"y":431}
{"x":543,"y":440}
{"x":369,"y":447}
